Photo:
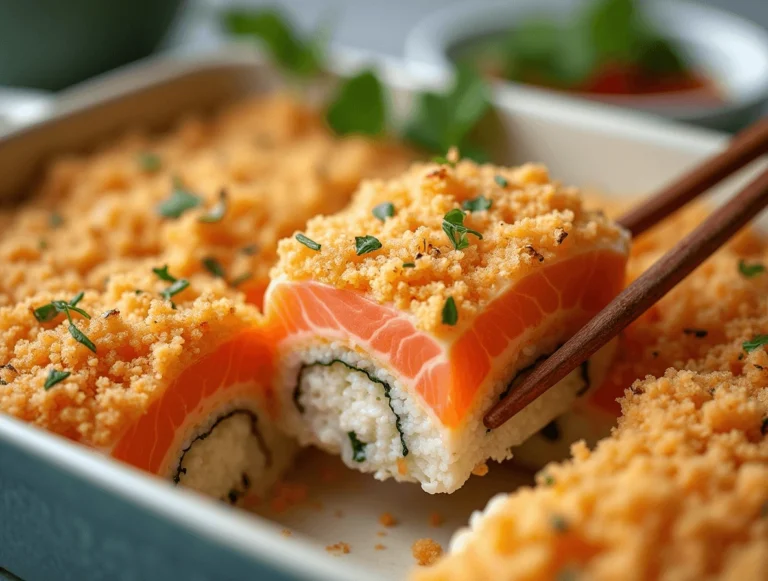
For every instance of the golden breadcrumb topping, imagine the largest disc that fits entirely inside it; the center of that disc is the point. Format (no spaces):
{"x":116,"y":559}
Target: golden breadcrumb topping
{"x":97,"y":214}
{"x":530,"y":220}
{"x":426,"y":551}
{"x":142,"y":343}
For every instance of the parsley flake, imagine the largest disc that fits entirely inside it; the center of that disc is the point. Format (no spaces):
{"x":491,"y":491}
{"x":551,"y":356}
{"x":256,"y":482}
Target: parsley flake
{"x":358,"y":447}
{"x":477,"y":204}
{"x":237,"y":281}
{"x":311,"y":244}
{"x":559,"y":523}
{"x":409,"y":265}
{"x":442,"y":160}
{"x":756,"y":342}
{"x":384,"y":210}
{"x":218,"y":211}
{"x":55,"y":377}
{"x":178,"y":286}
{"x":450,"y":313}
{"x":501,"y":180}
{"x":55,"y":220}
{"x":250,"y":250}
{"x":48,"y":312}
{"x":81,"y":337}
{"x":180,"y":202}
{"x":366,"y":244}
{"x":214,"y":267}
{"x":750,"y":270}
{"x":163,"y":274}
{"x":454,"y":228}
{"x":149,"y":162}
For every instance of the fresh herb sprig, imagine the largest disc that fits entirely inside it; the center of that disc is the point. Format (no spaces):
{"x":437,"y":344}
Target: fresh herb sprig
{"x":50,"y":311}
{"x":179,"y":202}
{"x":750,"y":270}
{"x":366,"y":244}
{"x":55,"y":376}
{"x":755,"y":343}
{"x":477,"y":204}
{"x":177,"y":284}
{"x":454,"y":228}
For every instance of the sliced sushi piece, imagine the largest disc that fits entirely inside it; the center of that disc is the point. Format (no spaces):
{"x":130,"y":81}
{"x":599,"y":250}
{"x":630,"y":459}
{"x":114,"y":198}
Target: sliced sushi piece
{"x":400,"y":320}
{"x":169,"y":377}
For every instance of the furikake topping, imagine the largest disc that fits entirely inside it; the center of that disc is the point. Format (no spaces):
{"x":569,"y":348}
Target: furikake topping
{"x":309,"y":243}
{"x":384,"y":210}
{"x":149,"y":162}
{"x":366,"y":244}
{"x":214,"y":267}
{"x":454,"y":228}
{"x":698,"y":333}
{"x":477,"y":204}
{"x":51,"y":310}
{"x":217,"y":212}
{"x":180,"y":202}
{"x":450,"y":313}
{"x":55,"y":377}
{"x":756,"y":342}
{"x":501,"y":180}
{"x":358,"y":447}
{"x":750,"y":270}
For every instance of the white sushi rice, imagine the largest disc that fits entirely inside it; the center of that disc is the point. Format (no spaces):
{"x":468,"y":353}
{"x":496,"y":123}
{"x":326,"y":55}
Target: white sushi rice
{"x":337,"y":401}
{"x":231,"y":456}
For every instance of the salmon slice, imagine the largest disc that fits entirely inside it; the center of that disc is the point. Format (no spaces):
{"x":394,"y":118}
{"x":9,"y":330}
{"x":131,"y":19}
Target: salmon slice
{"x":448,"y":371}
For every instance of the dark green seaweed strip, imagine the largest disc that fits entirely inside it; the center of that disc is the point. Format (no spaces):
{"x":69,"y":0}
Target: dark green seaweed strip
{"x":521,"y":374}
{"x":385,"y":385}
{"x":585,"y":376}
{"x":233,"y":495}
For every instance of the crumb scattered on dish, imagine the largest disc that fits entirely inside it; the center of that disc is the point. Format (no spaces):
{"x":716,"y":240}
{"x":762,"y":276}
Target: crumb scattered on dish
{"x":436,"y":520}
{"x":426,"y":551}
{"x":387,"y":520}
{"x":379,"y":547}
{"x":481,"y":469}
{"x":339,"y":548}
{"x":286,"y":532}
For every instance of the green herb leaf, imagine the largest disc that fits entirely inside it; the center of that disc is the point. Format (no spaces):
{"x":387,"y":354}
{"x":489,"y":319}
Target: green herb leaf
{"x":358,"y":447}
{"x":750,"y":270}
{"x":311,"y":244}
{"x":55,"y":220}
{"x":756,"y":342}
{"x":296,"y":56}
{"x":559,"y":523}
{"x":366,"y":244}
{"x":218,"y":211}
{"x":81,"y":337}
{"x":453,"y":226}
{"x":440,"y":122}
{"x":501,"y":180}
{"x":175,"y":288}
{"x":46,"y":313}
{"x":442,"y":160}
{"x":163,"y":274}
{"x":358,"y":106}
{"x":149,"y":162}
{"x":214,"y":267}
{"x":409,"y":265}
{"x":450,"y":313}
{"x":477,"y":204}
{"x":384,"y":210}
{"x":76,"y":299}
{"x":250,"y":250}
{"x":55,"y":377}
{"x":237,"y":281}
{"x":180,"y":202}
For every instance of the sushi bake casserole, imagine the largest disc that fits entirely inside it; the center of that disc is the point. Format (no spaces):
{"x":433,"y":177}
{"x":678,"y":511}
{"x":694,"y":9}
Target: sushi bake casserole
{"x":401,"y":319}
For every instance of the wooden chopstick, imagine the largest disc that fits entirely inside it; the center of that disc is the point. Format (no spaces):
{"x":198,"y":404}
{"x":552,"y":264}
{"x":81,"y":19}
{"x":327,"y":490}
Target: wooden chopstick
{"x":653,"y":284}
{"x":745,"y":147}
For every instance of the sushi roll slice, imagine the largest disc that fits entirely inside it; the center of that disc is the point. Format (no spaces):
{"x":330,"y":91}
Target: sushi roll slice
{"x":399,"y":321}
{"x":170,"y":377}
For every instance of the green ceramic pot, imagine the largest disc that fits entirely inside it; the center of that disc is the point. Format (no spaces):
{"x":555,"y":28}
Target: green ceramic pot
{"x":50,"y":44}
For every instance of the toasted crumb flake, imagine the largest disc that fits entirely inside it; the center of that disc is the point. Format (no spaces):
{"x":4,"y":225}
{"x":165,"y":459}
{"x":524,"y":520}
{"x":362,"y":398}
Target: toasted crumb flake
{"x":426,"y":551}
{"x":436,"y":520}
{"x":339,"y":548}
{"x":287,"y":495}
{"x":402,"y":467}
{"x":481,"y":469}
{"x":379,"y":547}
{"x":387,"y":520}
{"x":286,"y":532}
{"x":381,"y":533}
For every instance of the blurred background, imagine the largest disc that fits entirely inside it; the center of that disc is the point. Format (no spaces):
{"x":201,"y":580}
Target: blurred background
{"x":702,"y":62}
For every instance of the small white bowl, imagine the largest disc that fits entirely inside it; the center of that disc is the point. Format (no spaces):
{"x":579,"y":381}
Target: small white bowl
{"x":729,"y":49}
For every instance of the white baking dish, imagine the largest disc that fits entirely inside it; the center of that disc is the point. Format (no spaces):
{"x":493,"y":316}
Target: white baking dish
{"x":68,"y":513}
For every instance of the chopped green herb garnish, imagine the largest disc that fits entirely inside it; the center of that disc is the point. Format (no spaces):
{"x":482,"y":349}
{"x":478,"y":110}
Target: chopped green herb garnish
{"x":180,"y":201}
{"x":76,"y":299}
{"x":175,"y":288}
{"x":442,"y":160}
{"x":444,"y":121}
{"x":358,"y":106}
{"x":453,"y":226}
{"x":218,"y":211}
{"x":214,"y":267}
{"x":358,"y":447}
{"x":138,"y":291}
{"x":50,"y":311}
{"x":81,"y":337}
{"x":450,"y":314}
{"x":501,"y":180}
{"x":311,"y":244}
{"x":559,"y":523}
{"x":149,"y":162}
{"x":42,"y":244}
{"x":384,"y":210}
{"x":549,"y":480}
{"x":55,"y":220}
{"x":292,"y":53}
{"x":366,"y":244}
{"x":409,"y":265}
{"x":477,"y":204}
{"x":163,"y":274}
{"x":756,"y":342}
{"x":250,"y":250}
{"x":750,"y":270}
{"x":55,"y":377}
{"x":237,"y":281}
